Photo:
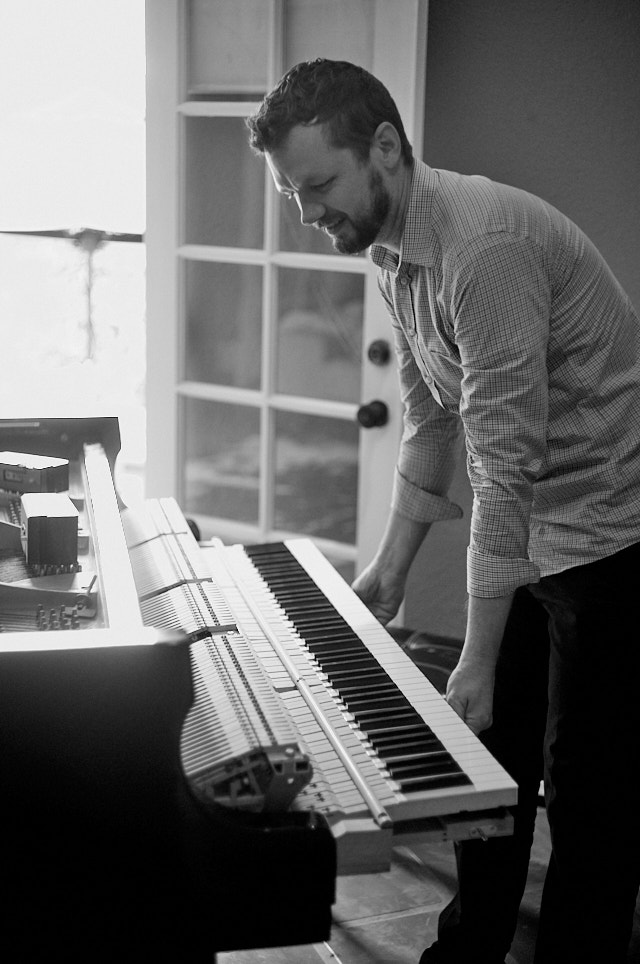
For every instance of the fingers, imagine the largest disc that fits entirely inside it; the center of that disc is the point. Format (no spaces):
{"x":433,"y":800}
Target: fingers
{"x":477,"y":725}
{"x":459,"y":706}
{"x":476,"y":721}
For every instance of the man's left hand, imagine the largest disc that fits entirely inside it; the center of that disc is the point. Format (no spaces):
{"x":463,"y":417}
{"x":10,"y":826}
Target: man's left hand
{"x":470,"y":694}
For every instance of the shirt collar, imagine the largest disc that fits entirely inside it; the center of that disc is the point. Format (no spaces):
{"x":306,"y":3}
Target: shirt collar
{"x":418,"y":237}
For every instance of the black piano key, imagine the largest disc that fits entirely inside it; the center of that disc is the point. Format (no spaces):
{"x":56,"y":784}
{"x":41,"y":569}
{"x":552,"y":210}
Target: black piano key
{"x":315,"y":619}
{"x":309,"y":615}
{"x":422,"y":768}
{"x":318,"y":636}
{"x":301,"y":611}
{"x":323,"y":641}
{"x":357,"y":662}
{"x":301,"y":603}
{"x":368,"y":681}
{"x":304,"y":609}
{"x":326,"y":648}
{"x":361,"y":704}
{"x":326,"y":651}
{"x":439,"y":782}
{"x":307,"y":611}
{"x":322,"y":633}
{"x":417,"y":739}
{"x":338,"y":676}
{"x":424,"y":752}
{"x":285,"y":575}
{"x":377,"y":733}
{"x":366,"y":690}
{"x":374,"y":720}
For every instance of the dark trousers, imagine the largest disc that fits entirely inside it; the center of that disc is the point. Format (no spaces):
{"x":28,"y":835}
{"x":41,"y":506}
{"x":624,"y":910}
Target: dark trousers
{"x":567,"y":706}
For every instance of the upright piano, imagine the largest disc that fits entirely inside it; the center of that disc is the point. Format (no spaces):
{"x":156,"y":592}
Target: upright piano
{"x":195,"y":739}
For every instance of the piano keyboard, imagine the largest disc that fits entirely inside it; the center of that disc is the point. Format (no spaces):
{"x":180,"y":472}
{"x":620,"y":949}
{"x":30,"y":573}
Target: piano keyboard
{"x":412,"y":750}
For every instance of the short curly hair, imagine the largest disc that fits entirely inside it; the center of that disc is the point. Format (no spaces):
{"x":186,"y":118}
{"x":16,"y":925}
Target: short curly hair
{"x":345,"y":97}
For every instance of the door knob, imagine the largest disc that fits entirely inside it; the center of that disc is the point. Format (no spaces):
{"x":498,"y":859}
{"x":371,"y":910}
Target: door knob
{"x":379,"y":352}
{"x":373,"y":415}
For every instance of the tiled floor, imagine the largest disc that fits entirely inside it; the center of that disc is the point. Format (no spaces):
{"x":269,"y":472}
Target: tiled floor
{"x":390,"y":918}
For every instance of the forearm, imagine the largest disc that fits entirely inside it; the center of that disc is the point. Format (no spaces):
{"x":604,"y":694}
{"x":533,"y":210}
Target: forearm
{"x":398,"y":547}
{"x":486,"y":620}
{"x":381,"y":585}
{"x":470,"y":686}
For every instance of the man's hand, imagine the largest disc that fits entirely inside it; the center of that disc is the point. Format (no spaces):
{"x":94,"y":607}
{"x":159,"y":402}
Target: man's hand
{"x":380,"y":591}
{"x":381,"y":585}
{"x":470,"y":694}
{"x":470,"y":686}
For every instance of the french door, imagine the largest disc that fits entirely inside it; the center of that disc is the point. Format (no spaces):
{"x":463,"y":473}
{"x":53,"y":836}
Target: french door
{"x":272,"y":399}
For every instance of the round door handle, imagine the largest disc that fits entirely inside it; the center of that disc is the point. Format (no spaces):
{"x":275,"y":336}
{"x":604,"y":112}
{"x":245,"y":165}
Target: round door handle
{"x":373,"y":415}
{"x":379,"y":352}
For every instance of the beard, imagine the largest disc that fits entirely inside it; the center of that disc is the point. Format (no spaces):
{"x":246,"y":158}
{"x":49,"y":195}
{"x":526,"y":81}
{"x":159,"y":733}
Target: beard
{"x":365,"y":226}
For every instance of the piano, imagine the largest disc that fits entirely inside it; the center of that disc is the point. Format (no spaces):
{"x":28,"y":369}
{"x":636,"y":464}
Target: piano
{"x":196,"y":739}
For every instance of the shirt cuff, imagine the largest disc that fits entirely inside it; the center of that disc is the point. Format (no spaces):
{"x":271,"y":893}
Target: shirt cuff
{"x":491,"y":576}
{"x":421,"y":506}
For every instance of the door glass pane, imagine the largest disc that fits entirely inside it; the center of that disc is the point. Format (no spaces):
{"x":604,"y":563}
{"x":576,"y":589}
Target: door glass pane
{"x":221,"y":465}
{"x":227,"y":48}
{"x":324,"y":28}
{"x":316,"y":480}
{"x":224,"y":184}
{"x":223,"y":323}
{"x":319,"y":327}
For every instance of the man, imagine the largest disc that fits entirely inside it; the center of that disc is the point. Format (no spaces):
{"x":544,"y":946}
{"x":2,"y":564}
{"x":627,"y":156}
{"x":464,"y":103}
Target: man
{"x":509,"y":325}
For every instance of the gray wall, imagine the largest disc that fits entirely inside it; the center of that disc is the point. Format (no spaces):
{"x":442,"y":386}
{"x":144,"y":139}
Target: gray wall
{"x":544,"y":95}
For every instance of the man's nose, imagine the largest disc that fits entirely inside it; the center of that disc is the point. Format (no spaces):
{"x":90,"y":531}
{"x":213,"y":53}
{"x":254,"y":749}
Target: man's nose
{"x":310,"y":211}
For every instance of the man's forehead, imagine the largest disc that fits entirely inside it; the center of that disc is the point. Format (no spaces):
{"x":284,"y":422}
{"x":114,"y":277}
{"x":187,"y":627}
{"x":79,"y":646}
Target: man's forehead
{"x":304,"y":155}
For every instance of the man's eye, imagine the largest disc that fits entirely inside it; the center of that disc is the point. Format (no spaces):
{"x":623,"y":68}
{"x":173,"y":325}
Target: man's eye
{"x":323,"y":186}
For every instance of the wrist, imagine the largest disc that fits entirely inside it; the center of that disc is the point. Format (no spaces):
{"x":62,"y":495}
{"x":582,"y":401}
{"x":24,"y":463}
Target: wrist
{"x":485,"y":627}
{"x":400,"y":543}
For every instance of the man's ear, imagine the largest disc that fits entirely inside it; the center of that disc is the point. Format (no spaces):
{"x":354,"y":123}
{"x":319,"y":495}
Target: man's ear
{"x":386,"y":145}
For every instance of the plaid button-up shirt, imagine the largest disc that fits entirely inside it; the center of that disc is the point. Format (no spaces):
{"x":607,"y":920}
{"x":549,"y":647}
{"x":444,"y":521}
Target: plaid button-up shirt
{"x":509,"y":324}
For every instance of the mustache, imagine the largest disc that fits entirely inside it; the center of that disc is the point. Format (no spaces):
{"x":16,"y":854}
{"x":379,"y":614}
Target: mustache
{"x":329,"y":222}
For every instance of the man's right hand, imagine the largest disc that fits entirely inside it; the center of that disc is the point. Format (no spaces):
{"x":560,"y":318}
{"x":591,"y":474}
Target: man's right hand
{"x":381,"y":584}
{"x":381,"y":592}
